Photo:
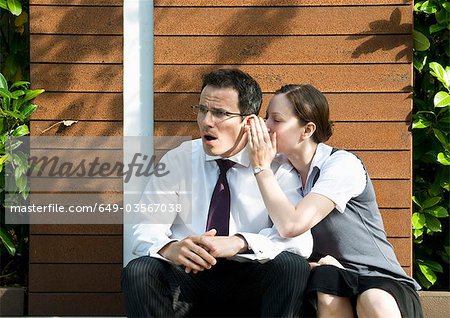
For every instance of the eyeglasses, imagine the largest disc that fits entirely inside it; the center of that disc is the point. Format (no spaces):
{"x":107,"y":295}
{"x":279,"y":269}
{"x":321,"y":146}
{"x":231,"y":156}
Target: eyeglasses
{"x":217,"y":113}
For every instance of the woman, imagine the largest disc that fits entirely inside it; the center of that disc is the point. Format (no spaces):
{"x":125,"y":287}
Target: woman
{"x":355,"y":268}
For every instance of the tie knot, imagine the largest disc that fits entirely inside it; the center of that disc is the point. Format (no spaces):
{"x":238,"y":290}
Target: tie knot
{"x":225,"y":165}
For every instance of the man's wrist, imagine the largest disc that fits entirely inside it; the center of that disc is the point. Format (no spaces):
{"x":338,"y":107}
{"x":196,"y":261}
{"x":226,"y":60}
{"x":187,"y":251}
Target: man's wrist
{"x":243,"y":245}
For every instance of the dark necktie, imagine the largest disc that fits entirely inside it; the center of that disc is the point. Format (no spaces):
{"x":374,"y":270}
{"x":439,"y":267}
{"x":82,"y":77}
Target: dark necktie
{"x":219,"y":208}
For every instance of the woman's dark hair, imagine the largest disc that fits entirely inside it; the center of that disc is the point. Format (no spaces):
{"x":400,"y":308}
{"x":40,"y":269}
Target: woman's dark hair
{"x":310,"y":106}
{"x":249,"y":92}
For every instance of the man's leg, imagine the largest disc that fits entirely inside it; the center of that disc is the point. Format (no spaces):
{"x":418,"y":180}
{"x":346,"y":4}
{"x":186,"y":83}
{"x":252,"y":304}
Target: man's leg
{"x":283,"y":284}
{"x":149,"y":287}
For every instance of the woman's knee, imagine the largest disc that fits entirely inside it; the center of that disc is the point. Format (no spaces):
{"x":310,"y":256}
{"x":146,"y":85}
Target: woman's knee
{"x":376,"y":302}
{"x":333,"y":306}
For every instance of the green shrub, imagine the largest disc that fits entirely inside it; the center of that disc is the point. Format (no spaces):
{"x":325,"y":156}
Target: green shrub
{"x":431,"y":149}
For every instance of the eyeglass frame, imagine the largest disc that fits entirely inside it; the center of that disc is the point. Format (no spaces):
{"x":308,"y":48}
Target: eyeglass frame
{"x":197,"y":110}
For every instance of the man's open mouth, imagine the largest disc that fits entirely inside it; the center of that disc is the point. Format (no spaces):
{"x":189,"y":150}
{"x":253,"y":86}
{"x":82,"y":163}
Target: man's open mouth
{"x":209,"y":137}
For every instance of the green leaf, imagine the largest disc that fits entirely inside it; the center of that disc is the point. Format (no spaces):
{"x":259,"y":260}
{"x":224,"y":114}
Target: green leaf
{"x":420,"y":122}
{"x":436,"y":28}
{"x":7,"y":241}
{"x":443,"y":158}
{"x":428,"y":273}
{"x":446,"y":6}
{"x":441,"y":137}
{"x":416,"y":201}
{"x":28,"y":110}
{"x":417,"y":233}
{"x":29,"y":95}
{"x":423,"y":280}
{"x":428,"y":203}
{"x":15,"y":7}
{"x":418,"y":5}
{"x":17,"y":94}
{"x":432,"y":223}
{"x":428,"y":7}
{"x":437,"y":211}
{"x":442,"y":17}
{"x":441,"y":99}
{"x":434,"y":266}
{"x":3,"y":82}
{"x":21,"y":131}
{"x":438,"y":71}
{"x":419,"y":63}
{"x":14,"y":115}
{"x":22,"y":84}
{"x":418,"y":220}
{"x":3,"y":4}
{"x":421,"y":42}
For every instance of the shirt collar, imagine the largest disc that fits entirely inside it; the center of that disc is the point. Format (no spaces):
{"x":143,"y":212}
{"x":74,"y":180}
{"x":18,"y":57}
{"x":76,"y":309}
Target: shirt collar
{"x":323,"y":151}
{"x":242,"y":157}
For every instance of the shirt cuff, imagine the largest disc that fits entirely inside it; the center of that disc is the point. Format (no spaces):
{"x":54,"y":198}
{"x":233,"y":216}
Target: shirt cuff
{"x":156,"y":247}
{"x":261,"y":246}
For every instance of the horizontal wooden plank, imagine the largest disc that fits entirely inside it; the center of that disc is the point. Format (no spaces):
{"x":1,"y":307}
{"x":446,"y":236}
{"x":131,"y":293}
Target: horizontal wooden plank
{"x":81,"y":128}
{"x":79,"y":106}
{"x":78,"y":229}
{"x":74,"y":278}
{"x":269,"y":3}
{"x":186,"y":78}
{"x":397,"y":222}
{"x":403,"y":250}
{"x":380,"y":165}
{"x":76,"y":20}
{"x":391,"y":136}
{"x":80,"y":2}
{"x":378,"y":136}
{"x":76,"y":49}
{"x":74,"y":77}
{"x":283,"y":20}
{"x":76,"y":185}
{"x":393,"y":193}
{"x":343,"y":107}
{"x":76,"y":304}
{"x":327,"y":78}
{"x":76,"y":249}
{"x":277,"y":49}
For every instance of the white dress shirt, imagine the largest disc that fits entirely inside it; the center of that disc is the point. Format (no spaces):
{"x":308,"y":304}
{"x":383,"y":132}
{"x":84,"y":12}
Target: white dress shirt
{"x":189,"y":187}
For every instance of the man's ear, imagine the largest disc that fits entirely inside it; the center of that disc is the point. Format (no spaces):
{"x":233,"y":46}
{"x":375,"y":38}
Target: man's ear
{"x":310,"y":128}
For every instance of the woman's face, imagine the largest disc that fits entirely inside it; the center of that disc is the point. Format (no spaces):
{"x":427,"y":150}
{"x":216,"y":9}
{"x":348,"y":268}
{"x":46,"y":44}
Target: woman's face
{"x":281,"y":119}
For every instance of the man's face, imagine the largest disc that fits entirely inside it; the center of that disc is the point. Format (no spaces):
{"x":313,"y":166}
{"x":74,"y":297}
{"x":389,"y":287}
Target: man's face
{"x":221,"y":137}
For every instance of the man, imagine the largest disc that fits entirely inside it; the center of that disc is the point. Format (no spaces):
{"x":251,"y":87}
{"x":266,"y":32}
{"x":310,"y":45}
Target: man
{"x":191,"y":266}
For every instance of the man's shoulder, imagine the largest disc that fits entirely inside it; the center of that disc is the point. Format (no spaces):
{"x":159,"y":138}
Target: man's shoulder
{"x":187,"y":149}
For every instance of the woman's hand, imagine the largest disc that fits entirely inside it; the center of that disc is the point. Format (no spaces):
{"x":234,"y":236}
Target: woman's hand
{"x":327,"y":260}
{"x":263,"y":145}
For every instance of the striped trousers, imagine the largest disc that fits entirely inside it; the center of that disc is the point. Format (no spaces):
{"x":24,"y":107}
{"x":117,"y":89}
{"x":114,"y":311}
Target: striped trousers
{"x":155,"y":288}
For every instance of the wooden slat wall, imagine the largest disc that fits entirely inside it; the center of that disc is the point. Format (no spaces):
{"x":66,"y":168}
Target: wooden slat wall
{"x":76,"y":55}
{"x":359,"y":52}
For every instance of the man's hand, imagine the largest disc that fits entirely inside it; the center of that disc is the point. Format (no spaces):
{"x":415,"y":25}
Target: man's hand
{"x":193,"y":252}
{"x":226,"y":246}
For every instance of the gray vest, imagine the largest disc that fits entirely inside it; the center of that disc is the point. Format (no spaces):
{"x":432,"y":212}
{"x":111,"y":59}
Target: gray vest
{"x":356,"y":238}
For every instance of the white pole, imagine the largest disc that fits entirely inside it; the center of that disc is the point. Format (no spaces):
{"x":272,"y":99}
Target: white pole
{"x":137,"y":91}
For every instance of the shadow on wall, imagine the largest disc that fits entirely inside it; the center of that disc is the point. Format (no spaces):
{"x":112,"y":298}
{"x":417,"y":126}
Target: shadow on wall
{"x":77,"y":57}
{"x":375,"y":43}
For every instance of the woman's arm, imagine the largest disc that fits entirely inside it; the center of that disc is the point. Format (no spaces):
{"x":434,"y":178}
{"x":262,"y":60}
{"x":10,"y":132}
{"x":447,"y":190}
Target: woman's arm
{"x":290,"y":220}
